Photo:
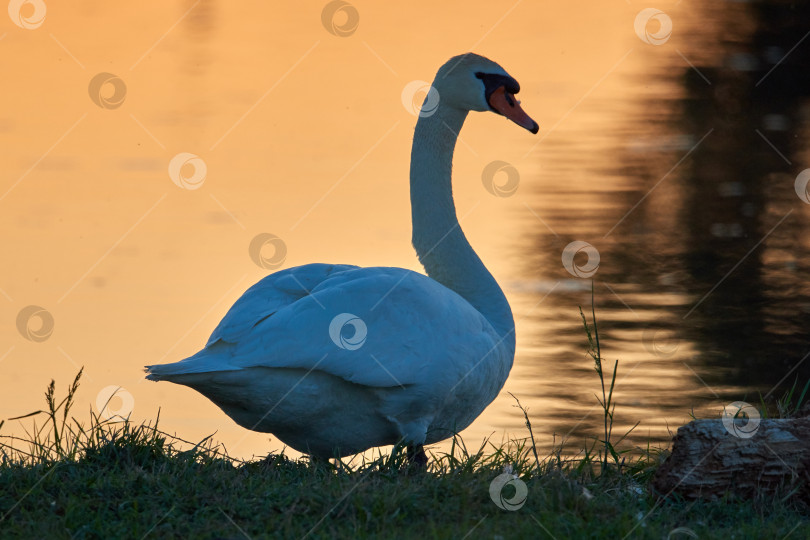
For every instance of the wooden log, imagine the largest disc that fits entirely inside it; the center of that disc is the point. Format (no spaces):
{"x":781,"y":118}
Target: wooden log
{"x":741,"y":458}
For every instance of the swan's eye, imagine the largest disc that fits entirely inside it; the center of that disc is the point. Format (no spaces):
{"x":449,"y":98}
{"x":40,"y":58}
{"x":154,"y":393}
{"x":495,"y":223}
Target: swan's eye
{"x":493,"y":81}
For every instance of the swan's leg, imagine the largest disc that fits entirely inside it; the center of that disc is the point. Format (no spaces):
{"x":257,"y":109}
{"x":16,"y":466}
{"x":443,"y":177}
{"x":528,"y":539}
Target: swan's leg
{"x":416,"y":455}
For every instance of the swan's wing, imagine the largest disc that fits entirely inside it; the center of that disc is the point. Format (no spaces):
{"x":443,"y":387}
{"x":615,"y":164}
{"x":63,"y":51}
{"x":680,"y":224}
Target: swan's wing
{"x":381,"y":327}
{"x":269,"y":295}
{"x":377,"y":327}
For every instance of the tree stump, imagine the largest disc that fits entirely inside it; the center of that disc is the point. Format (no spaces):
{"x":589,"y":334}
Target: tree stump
{"x":714,"y":458}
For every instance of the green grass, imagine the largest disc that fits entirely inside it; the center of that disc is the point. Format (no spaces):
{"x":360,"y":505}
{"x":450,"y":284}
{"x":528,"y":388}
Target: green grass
{"x":111,"y":479}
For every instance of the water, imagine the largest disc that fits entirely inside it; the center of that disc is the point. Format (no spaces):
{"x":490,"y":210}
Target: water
{"x":689,"y":198}
{"x":676,"y":162}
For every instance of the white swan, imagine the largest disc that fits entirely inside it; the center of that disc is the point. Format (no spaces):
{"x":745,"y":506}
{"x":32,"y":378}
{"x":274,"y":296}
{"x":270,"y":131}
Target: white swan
{"x":336,"y":359}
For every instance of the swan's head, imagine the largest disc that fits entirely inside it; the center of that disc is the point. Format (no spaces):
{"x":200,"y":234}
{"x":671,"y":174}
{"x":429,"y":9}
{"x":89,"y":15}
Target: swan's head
{"x":473,"y":83}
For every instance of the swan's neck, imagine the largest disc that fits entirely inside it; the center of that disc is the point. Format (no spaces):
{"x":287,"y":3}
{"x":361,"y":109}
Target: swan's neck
{"x":439,"y":241}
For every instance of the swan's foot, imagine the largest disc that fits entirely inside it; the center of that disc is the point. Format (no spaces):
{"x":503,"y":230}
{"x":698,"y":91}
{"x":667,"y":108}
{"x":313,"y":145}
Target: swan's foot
{"x":417,"y":456}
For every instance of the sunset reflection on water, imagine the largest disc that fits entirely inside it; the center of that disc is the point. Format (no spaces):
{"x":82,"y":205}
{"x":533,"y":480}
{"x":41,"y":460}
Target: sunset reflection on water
{"x":675,"y":158}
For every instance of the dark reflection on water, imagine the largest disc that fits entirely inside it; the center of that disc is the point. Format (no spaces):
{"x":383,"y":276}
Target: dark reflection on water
{"x":741,"y":200}
{"x":690,"y":200}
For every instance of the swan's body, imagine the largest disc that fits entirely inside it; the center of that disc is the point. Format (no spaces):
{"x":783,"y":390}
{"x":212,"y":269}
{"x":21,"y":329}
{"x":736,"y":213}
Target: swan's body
{"x":436,"y":351}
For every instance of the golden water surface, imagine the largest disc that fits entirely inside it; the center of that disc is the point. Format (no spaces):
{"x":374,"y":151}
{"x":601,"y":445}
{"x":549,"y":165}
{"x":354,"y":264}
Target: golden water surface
{"x":145,"y":145}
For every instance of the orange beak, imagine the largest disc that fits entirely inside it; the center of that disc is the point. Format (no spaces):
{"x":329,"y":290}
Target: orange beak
{"x":506,"y":104}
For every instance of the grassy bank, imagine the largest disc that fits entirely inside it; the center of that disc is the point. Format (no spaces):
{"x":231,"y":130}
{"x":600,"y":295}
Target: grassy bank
{"x":129,"y":481}
{"x":111,"y":479}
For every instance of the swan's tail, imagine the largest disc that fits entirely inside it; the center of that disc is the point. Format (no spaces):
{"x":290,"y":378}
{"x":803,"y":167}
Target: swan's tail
{"x":205,"y":361}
